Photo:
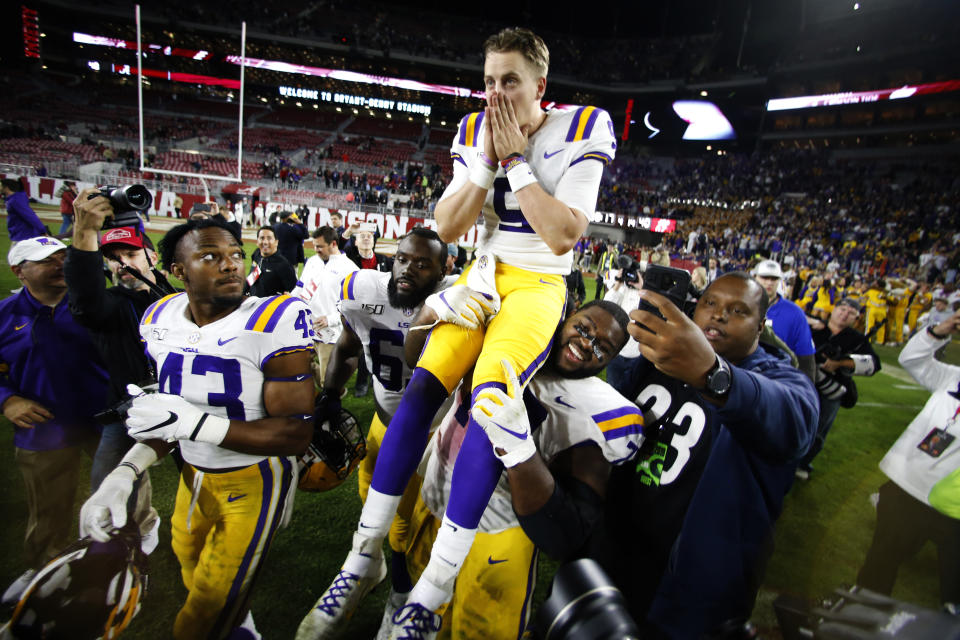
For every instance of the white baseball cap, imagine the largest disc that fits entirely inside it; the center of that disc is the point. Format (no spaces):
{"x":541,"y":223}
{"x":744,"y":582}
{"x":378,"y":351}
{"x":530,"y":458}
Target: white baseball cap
{"x":34,"y":249}
{"x":769,"y":269}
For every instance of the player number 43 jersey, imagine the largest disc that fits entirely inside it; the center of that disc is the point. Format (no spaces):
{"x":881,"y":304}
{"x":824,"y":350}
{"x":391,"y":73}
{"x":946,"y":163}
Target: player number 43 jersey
{"x":219,"y":367}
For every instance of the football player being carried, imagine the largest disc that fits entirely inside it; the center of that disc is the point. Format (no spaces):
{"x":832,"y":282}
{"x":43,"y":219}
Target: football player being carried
{"x":236,"y":395}
{"x":535,"y":176}
{"x":377,"y":310}
{"x":567,"y":422}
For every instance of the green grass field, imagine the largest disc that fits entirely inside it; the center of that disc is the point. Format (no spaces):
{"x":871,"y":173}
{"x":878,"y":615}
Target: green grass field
{"x":822,"y":536}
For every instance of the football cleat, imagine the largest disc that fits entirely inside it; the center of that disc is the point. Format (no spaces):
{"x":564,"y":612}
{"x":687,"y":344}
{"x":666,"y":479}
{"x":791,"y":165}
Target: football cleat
{"x":335,"y":607}
{"x":394,"y":601}
{"x":413,"y":621}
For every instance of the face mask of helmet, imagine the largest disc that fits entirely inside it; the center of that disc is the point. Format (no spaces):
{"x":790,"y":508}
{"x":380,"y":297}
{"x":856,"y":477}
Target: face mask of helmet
{"x":337,"y":447}
{"x":91,"y":590}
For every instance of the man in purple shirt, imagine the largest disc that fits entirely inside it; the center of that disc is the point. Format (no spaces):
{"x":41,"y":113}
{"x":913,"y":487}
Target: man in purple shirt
{"x":51,"y":384}
{"x":22,"y":221}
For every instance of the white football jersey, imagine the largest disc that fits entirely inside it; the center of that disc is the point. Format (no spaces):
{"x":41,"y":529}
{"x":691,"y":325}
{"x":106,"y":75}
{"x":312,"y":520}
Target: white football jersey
{"x":319,"y":286}
{"x":366,"y":309}
{"x":566,"y":154}
{"x":565,"y":413}
{"x":219,"y":367}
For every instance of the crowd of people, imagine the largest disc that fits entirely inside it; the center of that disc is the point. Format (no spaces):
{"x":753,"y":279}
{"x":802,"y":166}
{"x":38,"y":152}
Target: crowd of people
{"x":670,"y":475}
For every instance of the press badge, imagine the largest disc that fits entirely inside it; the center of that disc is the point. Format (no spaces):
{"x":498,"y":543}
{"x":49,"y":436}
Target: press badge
{"x":936,"y":443}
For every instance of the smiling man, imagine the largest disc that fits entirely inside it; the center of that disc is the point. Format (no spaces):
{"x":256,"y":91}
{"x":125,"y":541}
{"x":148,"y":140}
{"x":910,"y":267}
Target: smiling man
{"x":534,"y":175}
{"x":378,"y":310}
{"x":689,"y":523}
{"x":270,"y":272}
{"x":566,"y":422}
{"x":236,"y":394}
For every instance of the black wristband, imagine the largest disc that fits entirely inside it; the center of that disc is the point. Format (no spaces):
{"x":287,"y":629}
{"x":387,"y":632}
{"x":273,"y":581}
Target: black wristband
{"x":137,"y":472}
{"x":935,"y":334}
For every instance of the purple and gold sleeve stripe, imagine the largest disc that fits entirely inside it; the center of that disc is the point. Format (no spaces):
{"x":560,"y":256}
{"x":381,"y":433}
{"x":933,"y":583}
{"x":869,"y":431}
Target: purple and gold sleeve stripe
{"x":267,"y":315}
{"x":282,"y":351}
{"x":346,"y":287}
{"x":594,"y":155}
{"x":470,"y":129}
{"x":582,"y":124}
{"x":621,"y":422}
{"x":458,"y":158}
{"x":152,"y":314}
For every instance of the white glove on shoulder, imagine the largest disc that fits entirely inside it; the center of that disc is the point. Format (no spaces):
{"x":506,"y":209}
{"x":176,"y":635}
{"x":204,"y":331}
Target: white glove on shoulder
{"x":163,"y":416}
{"x":106,"y":509}
{"x":461,"y":305}
{"x":505,"y":421}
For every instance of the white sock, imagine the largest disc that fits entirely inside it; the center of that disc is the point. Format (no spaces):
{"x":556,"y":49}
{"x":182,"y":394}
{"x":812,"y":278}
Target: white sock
{"x":377,"y":514}
{"x":450,"y":549}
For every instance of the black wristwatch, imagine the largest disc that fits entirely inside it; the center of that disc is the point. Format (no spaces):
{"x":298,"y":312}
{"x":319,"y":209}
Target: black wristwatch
{"x":719,"y":379}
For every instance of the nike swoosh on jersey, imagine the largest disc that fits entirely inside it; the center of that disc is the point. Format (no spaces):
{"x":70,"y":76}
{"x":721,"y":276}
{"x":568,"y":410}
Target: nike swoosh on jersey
{"x":21,"y":326}
{"x":490,"y":560}
{"x":547,"y":156}
{"x":545,"y":282}
{"x":232,"y":497}
{"x":559,"y":400}
{"x":221,"y":341}
{"x":515,"y":434}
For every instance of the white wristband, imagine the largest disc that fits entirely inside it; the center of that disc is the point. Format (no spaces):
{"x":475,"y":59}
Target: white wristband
{"x":213,"y":429}
{"x":139,"y":457}
{"x":520,"y":175}
{"x":482,"y":175}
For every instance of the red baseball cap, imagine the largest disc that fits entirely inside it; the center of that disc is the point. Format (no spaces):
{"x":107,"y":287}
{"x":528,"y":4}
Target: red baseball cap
{"x":129,"y":236}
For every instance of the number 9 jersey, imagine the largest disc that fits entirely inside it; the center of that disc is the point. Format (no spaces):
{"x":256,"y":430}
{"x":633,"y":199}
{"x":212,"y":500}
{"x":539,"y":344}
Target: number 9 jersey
{"x":566,"y":154}
{"x":219,"y":367}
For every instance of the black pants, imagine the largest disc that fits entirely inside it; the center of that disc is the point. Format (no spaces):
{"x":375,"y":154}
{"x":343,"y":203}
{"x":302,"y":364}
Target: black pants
{"x":904,"y":524}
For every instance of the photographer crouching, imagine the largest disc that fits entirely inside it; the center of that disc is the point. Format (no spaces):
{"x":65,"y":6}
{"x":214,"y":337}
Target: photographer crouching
{"x":842,"y":352}
{"x":112,"y":316}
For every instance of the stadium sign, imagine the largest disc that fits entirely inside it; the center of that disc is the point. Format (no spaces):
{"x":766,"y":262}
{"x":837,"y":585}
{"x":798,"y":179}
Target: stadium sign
{"x":355,"y":100}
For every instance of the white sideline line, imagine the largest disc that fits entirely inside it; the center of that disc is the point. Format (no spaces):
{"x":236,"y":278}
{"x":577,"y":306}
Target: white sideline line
{"x":889,"y":405}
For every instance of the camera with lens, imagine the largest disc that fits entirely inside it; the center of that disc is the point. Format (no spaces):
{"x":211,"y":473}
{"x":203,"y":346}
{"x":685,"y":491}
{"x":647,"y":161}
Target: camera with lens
{"x":127,"y":203}
{"x":629,"y":270}
{"x":584,"y":604}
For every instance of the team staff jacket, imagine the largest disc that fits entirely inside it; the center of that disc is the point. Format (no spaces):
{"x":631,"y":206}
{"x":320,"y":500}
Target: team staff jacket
{"x":112,"y":316}
{"x":277,"y":275}
{"x":218,"y":367}
{"x":566,"y":154}
{"x":47,"y":357}
{"x":22,"y":222}
{"x":926,"y":453}
{"x":689,"y":524}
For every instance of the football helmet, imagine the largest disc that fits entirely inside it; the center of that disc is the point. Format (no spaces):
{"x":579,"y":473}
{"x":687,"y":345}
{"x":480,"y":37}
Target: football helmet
{"x":90,"y":590}
{"x":337,"y":447}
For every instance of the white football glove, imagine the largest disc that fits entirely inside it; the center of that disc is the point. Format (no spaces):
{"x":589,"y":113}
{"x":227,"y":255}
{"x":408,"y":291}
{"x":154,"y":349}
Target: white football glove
{"x":164,"y":416}
{"x":504,"y":419}
{"x":482,"y":278}
{"x":106,"y":509}
{"x":461,"y":305}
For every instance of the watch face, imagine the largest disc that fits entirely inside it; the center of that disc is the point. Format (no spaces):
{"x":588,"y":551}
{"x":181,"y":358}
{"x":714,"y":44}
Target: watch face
{"x":719,"y":380}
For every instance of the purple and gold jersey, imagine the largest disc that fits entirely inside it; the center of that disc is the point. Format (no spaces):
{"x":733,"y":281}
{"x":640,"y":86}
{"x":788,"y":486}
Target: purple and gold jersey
{"x":563,"y":414}
{"x":566,"y":154}
{"x":219,"y":367}
{"x":382,"y":329}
